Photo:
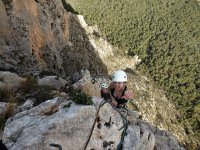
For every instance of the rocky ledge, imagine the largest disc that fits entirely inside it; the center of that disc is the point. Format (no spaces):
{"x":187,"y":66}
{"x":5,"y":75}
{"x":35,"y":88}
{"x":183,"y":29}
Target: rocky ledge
{"x":63,"y":122}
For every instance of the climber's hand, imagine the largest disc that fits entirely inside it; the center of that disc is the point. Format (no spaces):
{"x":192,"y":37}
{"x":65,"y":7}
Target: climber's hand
{"x":128,"y":95}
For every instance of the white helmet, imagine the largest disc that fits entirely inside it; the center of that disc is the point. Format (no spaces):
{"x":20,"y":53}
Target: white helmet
{"x":119,"y":76}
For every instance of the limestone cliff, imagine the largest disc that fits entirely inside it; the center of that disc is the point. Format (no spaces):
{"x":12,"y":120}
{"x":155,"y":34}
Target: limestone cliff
{"x":41,"y":38}
{"x":62,"y":122}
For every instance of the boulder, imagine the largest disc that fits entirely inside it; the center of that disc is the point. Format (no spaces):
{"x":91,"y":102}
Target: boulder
{"x":10,"y":80}
{"x":65,"y":123}
{"x":53,"y":81}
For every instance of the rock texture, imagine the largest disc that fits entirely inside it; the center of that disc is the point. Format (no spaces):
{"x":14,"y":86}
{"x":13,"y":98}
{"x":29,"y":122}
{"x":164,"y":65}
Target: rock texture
{"x":10,"y":80}
{"x":3,"y":106}
{"x":61,"y":121}
{"x":56,"y":121}
{"x":40,"y":37}
{"x":148,"y":100}
{"x":154,"y":107}
{"x":53,"y":81}
{"x":111,"y":56}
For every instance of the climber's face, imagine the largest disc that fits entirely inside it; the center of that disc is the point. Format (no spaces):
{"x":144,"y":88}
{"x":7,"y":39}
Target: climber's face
{"x":119,"y":85}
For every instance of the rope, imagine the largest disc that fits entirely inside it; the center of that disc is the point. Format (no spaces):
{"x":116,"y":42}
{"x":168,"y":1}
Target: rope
{"x":97,"y":114}
{"x":119,"y":146}
{"x":125,"y":126}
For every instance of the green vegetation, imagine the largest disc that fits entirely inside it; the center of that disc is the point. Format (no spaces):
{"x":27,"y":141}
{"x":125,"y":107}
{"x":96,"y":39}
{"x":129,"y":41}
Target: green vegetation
{"x":80,"y":97}
{"x":165,"y":34}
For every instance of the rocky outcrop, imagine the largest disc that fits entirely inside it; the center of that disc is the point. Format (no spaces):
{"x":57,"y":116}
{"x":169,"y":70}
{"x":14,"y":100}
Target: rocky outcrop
{"x":3,"y":106}
{"x":40,"y":37}
{"x":53,"y":81}
{"x":148,"y":100}
{"x":10,"y":80}
{"x":62,"y":122}
{"x":111,"y":56}
{"x":154,"y":107}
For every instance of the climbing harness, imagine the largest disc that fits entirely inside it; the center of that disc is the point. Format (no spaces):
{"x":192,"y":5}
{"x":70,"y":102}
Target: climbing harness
{"x":124,"y":127}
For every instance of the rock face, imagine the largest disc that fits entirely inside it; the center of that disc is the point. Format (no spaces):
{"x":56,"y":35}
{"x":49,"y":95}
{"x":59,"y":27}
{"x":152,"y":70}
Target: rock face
{"x":62,"y":122}
{"x":52,"y":81}
{"x":40,"y":37}
{"x":2,"y":107}
{"x":10,"y":80}
{"x":148,"y":100}
{"x":154,"y":107}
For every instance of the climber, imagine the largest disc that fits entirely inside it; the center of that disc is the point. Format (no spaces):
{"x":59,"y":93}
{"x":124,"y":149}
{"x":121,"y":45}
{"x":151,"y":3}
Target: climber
{"x":117,"y":89}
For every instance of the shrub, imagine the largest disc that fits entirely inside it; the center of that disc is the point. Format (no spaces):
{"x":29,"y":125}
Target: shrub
{"x":42,"y":94}
{"x":29,"y":85}
{"x":80,"y":97}
{"x":9,"y":96}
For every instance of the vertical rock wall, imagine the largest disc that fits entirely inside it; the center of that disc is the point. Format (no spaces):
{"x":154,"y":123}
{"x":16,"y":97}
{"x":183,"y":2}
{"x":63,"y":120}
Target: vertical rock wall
{"x":41,"y":37}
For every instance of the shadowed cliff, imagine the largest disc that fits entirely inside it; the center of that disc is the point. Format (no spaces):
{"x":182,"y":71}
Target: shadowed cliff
{"x":41,"y":38}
